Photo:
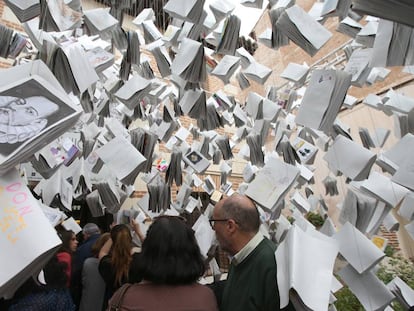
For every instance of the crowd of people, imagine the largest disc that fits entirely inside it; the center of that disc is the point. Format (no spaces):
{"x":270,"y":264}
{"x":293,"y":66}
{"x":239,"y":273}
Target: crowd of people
{"x":106,"y":271}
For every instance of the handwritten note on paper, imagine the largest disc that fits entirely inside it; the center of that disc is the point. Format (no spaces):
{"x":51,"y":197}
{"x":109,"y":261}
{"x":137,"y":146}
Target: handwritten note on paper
{"x":27,"y":239}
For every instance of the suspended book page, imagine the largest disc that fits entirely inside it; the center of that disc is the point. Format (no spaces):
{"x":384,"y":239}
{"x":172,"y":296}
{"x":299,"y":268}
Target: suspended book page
{"x":356,"y":167}
{"x":383,"y":188}
{"x":257,"y":72}
{"x":303,"y":29}
{"x":367,"y":287}
{"x":296,"y":73}
{"x":196,"y":161}
{"x":299,"y":266}
{"x":100,"y":59}
{"x":272,"y":183}
{"x":24,"y":10}
{"x":257,"y":4}
{"x":406,"y":209}
{"x":221,"y":8}
{"x":151,"y":32}
{"x":386,"y":50}
{"x":159,"y":195}
{"x":397,"y":154}
{"x":133,"y":91}
{"x":36,"y":35}
{"x":357,"y":249}
{"x":161,"y":56}
{"x":190,"y":10}
{"x":6,"y":35}
{"x":366,"y":36}
{"x":358,"y":66}
{"x":126,"y":168}
{"x":189,"y":63}
{"x":393,"y":10}
{"x":323,"y":98}
{"x":349,"y":27}
{"x":193,"y":103}
{"x":226,"y":68}
{"x":338,"y":8}
{"x":230,"y":36}
{"x":278,"y":38}
{"x":24,"y":253}
{"x":36,"y":111}
{"x":59,"y":16}
{"x":145,"y":15}
{"x":99,"y":20}
{"x":403,"y":292}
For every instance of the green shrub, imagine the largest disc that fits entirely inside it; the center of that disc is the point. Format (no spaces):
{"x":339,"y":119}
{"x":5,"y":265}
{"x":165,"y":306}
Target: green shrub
{"x":315,"y":219}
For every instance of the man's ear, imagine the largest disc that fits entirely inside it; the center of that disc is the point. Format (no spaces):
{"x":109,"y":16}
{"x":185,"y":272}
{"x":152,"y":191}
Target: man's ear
{"x":231,"y":225}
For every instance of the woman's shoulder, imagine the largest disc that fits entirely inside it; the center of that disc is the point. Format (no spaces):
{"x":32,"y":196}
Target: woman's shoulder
{"x":64,"y":256}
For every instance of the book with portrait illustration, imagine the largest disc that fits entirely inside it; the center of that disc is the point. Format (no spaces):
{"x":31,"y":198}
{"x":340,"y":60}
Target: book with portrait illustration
{"x":34,"y":110}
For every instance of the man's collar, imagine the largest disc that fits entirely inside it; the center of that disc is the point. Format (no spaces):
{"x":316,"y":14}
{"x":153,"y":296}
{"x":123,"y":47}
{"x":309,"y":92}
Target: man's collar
{"x":247,"y":249}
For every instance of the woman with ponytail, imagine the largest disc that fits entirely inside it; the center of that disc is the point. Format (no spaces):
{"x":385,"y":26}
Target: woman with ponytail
{"x":118,"y":259}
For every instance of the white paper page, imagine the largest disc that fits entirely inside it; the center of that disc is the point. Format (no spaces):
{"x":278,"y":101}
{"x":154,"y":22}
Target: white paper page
{"x":398,"y":152}
{"x":186,"y":54}
{"x":182,"y":9}
{"x":132,"y":86}
{"x":71,"y":224}
{"x":399,"y":102}
{"x":384,"y":189}
{"x":257,"y":72}
{"x":404,"y":175}
{"x":271,"y":182}
{"x":381,"y":44}
{"x":357,"y":249}
{"x":227,"y":64}
{"x":351,"y":166}
{"x":27,"y":233}
{"x":294,"y":72}
{"x":306,"y":266}
{"x":317,"y":98}
{"x":370,"y":291}
{"x":406,"y":209}
{"x":406,"y":291}
{"x":314,"y":32}
{"x":120,"y":156}
{"x":100,"y":18}
{"x":204,"y":234}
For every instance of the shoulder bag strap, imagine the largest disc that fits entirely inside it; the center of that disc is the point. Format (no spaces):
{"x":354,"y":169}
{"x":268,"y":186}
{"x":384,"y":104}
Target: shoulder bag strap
{"x":116,"y":305}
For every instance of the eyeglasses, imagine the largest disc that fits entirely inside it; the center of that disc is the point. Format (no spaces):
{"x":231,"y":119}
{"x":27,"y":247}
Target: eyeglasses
{"x":212,"y":221}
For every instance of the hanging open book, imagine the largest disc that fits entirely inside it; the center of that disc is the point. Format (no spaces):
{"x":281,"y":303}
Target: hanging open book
{"x":27,"y":239}
{"x":34,"y":110}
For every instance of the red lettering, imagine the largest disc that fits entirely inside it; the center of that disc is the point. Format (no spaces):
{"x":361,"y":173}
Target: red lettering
{"x":19,"y":198}
{"x":25,"y":210}
{"x":14,"y":186}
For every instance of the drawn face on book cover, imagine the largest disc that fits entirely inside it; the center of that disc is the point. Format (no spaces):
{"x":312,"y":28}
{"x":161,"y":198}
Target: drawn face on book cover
{"x":23,"y":118}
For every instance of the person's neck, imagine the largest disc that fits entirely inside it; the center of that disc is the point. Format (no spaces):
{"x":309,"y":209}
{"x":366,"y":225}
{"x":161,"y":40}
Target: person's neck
{"x":241,"y":241}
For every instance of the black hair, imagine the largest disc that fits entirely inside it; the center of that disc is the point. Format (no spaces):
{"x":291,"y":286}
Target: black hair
{"x":66,"y":237}
{"x":55,"y":273}
{"x":170,"y":253}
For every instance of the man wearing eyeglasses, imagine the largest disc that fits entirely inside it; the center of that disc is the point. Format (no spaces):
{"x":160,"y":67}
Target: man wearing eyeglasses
{"x":251,"y":283}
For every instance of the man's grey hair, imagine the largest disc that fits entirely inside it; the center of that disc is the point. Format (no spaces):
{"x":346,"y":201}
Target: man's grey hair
{"x":242,"y":210}
{"x":91,"y":228}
